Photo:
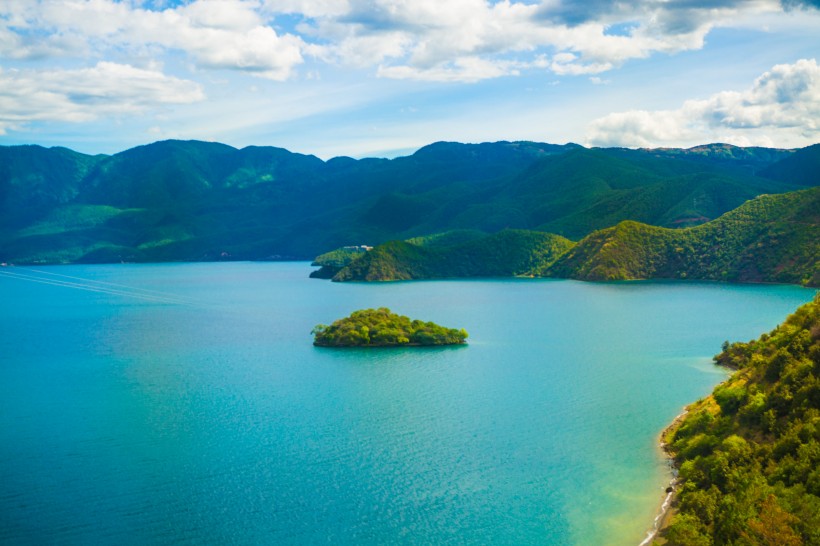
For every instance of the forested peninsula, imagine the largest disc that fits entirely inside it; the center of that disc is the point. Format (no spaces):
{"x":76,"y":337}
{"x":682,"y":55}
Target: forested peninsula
{"x":749,"y":454}
{"x":383,"y":328}
{"x":772,"y":238}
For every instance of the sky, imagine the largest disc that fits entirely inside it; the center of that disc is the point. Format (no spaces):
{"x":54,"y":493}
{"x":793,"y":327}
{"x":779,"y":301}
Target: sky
{"x":382,"y":78}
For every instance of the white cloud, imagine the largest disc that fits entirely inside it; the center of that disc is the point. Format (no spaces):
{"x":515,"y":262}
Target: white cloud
{"x":454,"y":40}
{"x":309,"y":8}
{"x":566,"y":64}
{"x":782,"y":105}
{"x":87,"y":94}
{"x":224,"y":15}
{"x":225,"y":34}
{"x":362,"y":51}
{"x":426,"y":39}
{"x":458,"y":40}
{"x":465,"y":69}
{"x":17,"y":46}
{"x":640,"y":128}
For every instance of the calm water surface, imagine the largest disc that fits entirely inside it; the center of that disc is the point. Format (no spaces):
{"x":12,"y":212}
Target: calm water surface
{"x":185,"y":404}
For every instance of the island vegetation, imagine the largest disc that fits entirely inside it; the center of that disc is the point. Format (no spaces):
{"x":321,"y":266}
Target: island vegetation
{"x":383,"y":328}
{"x":749,"y":454}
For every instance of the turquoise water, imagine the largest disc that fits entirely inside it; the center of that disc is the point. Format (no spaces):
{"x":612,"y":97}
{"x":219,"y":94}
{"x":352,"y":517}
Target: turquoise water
{"x":185,"y":404}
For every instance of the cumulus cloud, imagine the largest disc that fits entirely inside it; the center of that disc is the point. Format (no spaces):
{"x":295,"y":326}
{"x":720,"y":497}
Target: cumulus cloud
{"x":456,"y":40}
{"x":783,"y":103}
{"x":87,"y":94}
{"x":228,"y":34}
{"x":428,"y":39}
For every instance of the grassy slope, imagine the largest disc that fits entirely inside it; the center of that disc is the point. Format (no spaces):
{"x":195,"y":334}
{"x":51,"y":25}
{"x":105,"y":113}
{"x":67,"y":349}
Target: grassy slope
{"x":749,"y":454}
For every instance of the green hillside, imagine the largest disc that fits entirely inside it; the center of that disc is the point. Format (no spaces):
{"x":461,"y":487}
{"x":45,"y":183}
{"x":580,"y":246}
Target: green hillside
{"x":506,"y":253}
{"x":332,"y":262}
{"x":448,"y":238}
{"x":798,"y":168}
{"x":189,"y":200}
{"x":749,"y":454}
{"x":36,"y":180}
{"x":773,"y":238}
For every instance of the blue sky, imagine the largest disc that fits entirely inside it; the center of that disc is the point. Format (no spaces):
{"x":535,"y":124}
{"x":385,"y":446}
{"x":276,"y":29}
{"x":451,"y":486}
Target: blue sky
{"x":384,"y":77}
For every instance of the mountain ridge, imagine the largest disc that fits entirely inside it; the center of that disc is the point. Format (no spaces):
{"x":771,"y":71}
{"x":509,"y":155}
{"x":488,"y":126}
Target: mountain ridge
{"x":772,"y":238}
{"x":181,"y":200}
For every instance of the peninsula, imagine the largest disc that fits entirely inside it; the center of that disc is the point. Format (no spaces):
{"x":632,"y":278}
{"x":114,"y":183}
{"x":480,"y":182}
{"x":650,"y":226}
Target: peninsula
{"x":748,"y":454}
{"x":383,"y":328}
{"x":771,"y":238}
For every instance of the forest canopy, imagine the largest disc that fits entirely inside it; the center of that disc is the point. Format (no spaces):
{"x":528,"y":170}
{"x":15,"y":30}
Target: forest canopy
{"x":383,"y":328}
{"x":749,"y":454}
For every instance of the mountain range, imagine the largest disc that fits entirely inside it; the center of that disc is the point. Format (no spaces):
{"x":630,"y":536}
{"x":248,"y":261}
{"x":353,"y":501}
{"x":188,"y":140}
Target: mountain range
{"x":194,"y":201}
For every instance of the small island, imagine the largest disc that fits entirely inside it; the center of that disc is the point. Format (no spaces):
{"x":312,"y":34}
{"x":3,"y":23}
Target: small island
{"x":383,"y":328}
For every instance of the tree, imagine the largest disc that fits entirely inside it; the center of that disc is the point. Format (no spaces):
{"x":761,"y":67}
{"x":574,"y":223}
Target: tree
{"x":772,"y":527}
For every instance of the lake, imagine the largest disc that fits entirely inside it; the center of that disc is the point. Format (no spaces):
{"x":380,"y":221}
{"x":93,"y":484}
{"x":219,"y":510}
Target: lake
{"x":185,"y":404}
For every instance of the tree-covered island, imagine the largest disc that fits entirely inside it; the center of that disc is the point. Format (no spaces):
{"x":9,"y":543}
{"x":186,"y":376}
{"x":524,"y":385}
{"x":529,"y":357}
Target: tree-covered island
{"x":383,"y":328}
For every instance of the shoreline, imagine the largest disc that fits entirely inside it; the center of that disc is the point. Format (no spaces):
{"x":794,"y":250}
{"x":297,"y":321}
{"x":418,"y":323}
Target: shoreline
{"x":664,"y":511}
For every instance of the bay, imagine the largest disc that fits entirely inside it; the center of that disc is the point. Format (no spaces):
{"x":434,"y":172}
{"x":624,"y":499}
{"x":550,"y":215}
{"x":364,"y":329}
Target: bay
{"x":184,"y":403}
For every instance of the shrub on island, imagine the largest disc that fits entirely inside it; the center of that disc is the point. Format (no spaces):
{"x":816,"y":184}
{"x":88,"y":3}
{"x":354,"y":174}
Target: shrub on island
{"x":383,"y":328}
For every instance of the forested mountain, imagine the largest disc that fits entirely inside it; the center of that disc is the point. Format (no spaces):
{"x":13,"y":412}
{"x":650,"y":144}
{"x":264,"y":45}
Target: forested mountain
{"x":188,"y":200}
{"x":772,"y":238}
{"x":799,"y":168}
{"x":35,"y":181}
{"x":749,"y":454}
{"x":506,"y":253}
